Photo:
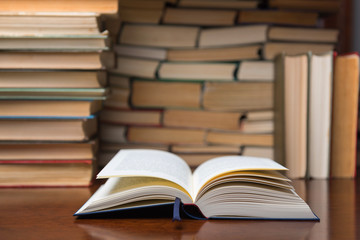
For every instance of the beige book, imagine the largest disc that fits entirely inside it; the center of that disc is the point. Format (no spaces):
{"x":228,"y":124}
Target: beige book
{"x":239,"y":139}
{"x":166,"y":94}
{"x":131,"y":117}
{"x":136,"y":67}
{"x":224,"y":149}
{"x":202,"y":119}
{"x":228,"y":36}
{"x":46,"y":108}
{"x":50,"y":60}
{"x":238,"y":96}
{"x":47,"y":151}
{"x":47,"y":130}
{"x":52,"y":79}
{"x":256,"y":71}
{"x":165,"y":135}
{"x":197,"y":71}
{"x":141,"y":52}
{"x":215,"y":53}
{"x":159,"y":36}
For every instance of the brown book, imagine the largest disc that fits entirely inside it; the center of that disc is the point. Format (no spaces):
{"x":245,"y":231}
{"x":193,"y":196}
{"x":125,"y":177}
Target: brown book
{"x":52,"y":79}
{"x":344,"y":116}
{"x":202,"y":119}
{"x":279,"y":17}
{"x":159,"y":35}
{"x":197,"y":71}
{"x":50,"y":60}
{"x":47,"y":151}
{"x":272,"y":49}
{"x":83,"y":6}
{"x":47,"y":130}
{"x":112,"y":133}
{"x":291,"y":126}
{"x":215,"y":53}
{"x":238,"y":96}
{"x":145,"y":4}
{"x":239,"y":139}
{"x":47,"y":108}
{"x":314,"y":5}
{"x":228,"y":36}
{"x":200,"y":17}
{"x":140,"y":15}
{"x":165,"y":135}
{"x":205,"y":149}
{"x":118,"y":81}
{"x":313,"y":35}
{"x":166,"y":94}
{"x":118,"y":98}
{"x":60,"y":173}
{"x":140,"y":52}
{"x":136,"y":67}
{"x":131,"y":117}
{"x":229,"y":4}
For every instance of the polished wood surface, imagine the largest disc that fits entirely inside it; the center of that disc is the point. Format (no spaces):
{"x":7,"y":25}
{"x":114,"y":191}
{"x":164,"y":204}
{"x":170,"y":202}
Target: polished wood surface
{"x":46,"y":213}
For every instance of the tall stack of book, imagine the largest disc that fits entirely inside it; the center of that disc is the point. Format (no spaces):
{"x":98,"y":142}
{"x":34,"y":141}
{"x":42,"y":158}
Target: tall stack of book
{"x":52,"y":87}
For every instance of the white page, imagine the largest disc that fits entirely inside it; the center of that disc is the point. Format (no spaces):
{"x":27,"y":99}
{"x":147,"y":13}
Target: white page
{"x":220,"y":165}
{"x":150,"y":163}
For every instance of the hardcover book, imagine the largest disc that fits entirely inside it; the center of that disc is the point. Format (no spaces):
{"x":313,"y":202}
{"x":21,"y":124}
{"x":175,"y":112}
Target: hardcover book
{"x":224,"y":187}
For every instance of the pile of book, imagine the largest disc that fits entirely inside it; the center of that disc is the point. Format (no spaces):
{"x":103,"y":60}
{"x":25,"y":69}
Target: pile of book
{"x":196,"y":77}
{"x":52,"y":86}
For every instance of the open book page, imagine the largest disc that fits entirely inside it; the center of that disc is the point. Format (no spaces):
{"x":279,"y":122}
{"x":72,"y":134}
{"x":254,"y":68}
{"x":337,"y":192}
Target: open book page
{"x":218,"y":166}
{"x":149,"y":163}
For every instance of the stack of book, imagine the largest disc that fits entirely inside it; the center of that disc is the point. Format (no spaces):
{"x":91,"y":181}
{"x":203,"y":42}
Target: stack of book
{"x":52,"y":87}
{"x":196,"y":77}
{"x":317,"y":138}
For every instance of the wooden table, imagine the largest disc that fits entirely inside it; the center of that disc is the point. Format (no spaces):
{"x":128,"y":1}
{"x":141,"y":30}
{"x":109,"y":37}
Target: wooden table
{"x":47,"y":214}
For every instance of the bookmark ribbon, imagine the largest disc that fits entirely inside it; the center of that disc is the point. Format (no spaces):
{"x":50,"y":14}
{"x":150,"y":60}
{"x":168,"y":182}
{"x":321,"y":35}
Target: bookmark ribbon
{"x":176,"y":211}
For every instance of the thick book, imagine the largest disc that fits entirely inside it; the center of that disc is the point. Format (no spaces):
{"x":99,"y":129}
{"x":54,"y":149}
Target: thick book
{"x":46,"y":173}
{"x":344,"y":116}
{"x":49,"y":108}
{"x":47,"y":129}
{"x":237,"y":96}
{"x":52,"y":79}
{"x":33,"y":7}
{"x":224,"y":187}
{"x":291,"y":123}
{"x":282,"y":17}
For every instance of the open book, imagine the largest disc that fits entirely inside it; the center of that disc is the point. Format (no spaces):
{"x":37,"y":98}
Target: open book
{"x":223,"y":187}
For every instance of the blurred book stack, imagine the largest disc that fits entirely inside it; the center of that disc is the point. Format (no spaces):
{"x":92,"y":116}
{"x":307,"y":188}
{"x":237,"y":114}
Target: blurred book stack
{"x":52,"y":84}
{"x":196,"y":77}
